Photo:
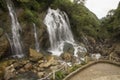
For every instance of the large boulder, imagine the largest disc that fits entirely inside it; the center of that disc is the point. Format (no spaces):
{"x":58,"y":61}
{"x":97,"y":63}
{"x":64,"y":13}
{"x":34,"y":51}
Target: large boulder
{"x":68,"y":48}
{"x":34,"y":55}
{"x":67,"y":57}
{"x":50,"y":62}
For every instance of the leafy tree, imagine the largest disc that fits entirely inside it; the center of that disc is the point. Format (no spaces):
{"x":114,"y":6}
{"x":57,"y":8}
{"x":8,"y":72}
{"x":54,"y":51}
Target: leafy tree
{"x":3,"y":5}
{"x":79,"y":1}
{"x":111,"y":23}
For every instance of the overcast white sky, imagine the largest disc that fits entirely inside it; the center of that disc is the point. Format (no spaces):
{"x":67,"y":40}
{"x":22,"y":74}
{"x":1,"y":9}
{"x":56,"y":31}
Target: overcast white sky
{"x":101,"y":7}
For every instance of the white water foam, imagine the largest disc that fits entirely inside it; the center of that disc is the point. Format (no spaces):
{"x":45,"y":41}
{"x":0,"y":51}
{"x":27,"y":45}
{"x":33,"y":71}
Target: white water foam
{"x":58,"y":27}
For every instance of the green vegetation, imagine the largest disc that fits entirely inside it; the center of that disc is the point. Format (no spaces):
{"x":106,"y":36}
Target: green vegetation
{"x":73,"y":68}
{"x":82,"y":20}
{"x":3,"y":5}
{"x":111,"y":24}
{"x":59,"y":75}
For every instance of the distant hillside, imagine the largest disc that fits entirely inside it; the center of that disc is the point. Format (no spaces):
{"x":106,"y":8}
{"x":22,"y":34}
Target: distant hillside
{"x":111,"y":24}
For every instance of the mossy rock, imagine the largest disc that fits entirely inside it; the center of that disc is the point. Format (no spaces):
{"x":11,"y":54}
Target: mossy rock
{"x":68,"y":48}
{"x":67,"y":57}
{"x":34,"y":55}
{"x":3,"y":65}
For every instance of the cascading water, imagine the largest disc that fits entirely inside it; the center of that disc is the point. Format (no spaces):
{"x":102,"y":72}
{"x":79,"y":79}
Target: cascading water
{"x":37,"y":47}
{"x":58,"y":27}
{"x":15,"y":41}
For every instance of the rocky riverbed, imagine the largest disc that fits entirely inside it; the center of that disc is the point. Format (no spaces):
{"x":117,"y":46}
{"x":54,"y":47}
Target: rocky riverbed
{"x":35,"y":67}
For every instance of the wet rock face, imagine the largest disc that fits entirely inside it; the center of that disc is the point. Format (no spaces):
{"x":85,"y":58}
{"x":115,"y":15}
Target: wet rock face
{"x":4,"y":44}
{"x":1,"y":31}
{"x":43,"y":38}
{"x":68,"y":52}
{"x":27,"y":33}
{"x":68,"y":48}
{"x":28,"y":38}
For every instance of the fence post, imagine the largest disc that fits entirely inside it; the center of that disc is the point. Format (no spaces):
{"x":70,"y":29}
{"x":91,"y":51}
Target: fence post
{"x":53,"y":74}
{"x":86,"y":59}
{"x":110,"y":57}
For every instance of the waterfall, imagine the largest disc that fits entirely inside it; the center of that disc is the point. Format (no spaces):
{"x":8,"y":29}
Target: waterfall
{"x":15,"y":41}
{"x":58,"y":28}
{"x":37,"y":47}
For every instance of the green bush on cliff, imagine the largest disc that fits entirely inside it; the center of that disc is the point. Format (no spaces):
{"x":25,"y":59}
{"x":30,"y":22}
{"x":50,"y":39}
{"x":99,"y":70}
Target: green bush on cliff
{"x":32,"y":5}
{"x":33,"y":11}
{"x":111,"y":24}
{"x":3,"y":5}
{"x":82,"y":20}
{"x":29,"y":16}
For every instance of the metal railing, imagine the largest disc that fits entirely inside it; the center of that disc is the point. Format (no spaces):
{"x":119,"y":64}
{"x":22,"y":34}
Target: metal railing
{"x":64,"y":66}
